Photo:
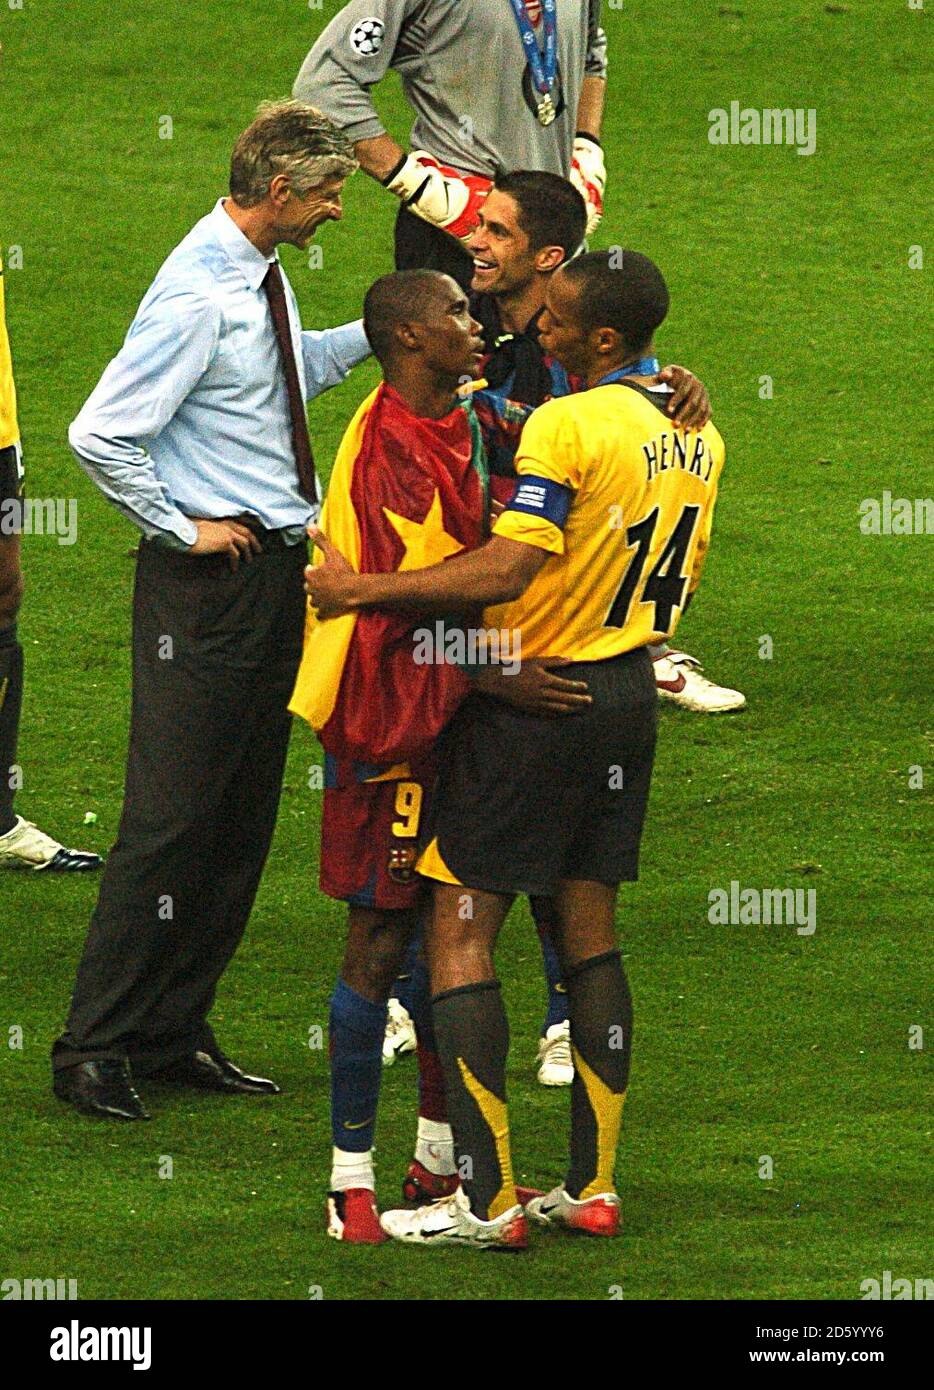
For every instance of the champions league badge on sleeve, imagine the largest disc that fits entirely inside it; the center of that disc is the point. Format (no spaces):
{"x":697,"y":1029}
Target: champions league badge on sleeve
{"x":366,"y":38}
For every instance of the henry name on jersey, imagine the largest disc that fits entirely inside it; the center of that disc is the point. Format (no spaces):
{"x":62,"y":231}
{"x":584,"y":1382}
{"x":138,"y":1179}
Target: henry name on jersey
{"x":670,"y":450}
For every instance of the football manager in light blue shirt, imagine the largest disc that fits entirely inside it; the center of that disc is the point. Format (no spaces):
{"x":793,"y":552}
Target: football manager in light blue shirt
{"x":197,"y":432}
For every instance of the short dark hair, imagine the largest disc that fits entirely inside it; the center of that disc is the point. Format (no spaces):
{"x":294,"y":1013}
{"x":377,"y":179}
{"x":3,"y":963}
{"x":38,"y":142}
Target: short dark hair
{"x":623,"y":290}
{"x":551,"y":211}
{"x":402,"y":297}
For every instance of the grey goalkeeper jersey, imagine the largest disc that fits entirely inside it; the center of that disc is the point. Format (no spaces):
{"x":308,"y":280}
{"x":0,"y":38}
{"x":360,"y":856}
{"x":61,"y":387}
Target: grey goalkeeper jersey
{"x":464,"y":72}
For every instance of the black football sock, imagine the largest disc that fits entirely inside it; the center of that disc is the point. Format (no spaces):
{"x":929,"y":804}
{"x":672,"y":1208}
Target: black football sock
{"x":11,"y":701}
{"x":473,"y":1041}
{"x":600,"y":1006}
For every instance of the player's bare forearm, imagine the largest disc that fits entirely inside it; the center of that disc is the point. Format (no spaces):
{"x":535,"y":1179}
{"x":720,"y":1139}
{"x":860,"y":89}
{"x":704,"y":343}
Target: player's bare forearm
{"x":591,"y":105}
{"x":379,"y":156}
{"x":496,"y":573}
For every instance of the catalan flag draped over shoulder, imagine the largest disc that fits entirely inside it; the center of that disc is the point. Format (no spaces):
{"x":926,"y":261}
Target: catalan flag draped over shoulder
{"x":405,"y":493}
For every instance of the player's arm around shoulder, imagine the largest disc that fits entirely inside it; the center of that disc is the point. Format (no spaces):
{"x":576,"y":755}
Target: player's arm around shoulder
{"x":550,"y":465}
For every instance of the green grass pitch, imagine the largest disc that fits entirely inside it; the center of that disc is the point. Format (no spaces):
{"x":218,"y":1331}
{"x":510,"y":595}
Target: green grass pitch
{"x":750,"y":1041}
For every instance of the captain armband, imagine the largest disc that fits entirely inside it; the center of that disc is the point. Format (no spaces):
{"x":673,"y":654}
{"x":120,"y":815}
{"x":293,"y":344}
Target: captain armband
{"x":543,"y":498}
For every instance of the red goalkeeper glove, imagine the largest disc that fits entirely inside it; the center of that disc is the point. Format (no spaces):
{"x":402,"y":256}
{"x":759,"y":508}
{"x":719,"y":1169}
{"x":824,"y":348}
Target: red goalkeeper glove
{"x":438,"y":194}
{"x":588,"y":175}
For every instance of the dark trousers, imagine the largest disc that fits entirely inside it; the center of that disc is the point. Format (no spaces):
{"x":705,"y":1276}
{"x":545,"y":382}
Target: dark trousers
{"x":420,"y":246}
{"x":215,"y":655}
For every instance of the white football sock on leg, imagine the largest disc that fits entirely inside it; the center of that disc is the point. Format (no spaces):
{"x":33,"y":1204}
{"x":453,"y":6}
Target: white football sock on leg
{"x":434,"y":1147}
{"x":352,"y":1170}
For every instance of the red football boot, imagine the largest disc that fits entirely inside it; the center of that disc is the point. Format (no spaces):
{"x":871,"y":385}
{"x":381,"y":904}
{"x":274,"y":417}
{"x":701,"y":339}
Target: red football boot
{"x":594,"y":1216}
{"x":419,"y":1185}
{"x":525,"y":1194}
{"x":352,"y":1216}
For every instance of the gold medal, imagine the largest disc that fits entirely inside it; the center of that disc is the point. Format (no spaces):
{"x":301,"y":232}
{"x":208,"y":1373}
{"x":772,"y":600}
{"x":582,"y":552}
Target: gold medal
{"x":546,"y":110}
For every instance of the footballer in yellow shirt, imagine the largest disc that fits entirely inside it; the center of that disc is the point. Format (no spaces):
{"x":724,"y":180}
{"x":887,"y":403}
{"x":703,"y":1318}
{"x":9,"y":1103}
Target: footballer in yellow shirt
{"x":622,"y":503}
{"x":596,"y":556}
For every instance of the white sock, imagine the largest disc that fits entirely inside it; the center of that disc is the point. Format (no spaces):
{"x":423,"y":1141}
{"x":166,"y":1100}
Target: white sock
{"x":352,"y":1170}
{"x":434,"y":1147}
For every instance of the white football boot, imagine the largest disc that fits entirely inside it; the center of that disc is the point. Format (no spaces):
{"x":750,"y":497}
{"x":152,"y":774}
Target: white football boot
{"x":556,"y":1065}
{"x":27,"y":847}
{"x":595,"y":1216}
{"x":400,"y":1033}
{"x":451,"y":1222}
{"x":678,"y":678}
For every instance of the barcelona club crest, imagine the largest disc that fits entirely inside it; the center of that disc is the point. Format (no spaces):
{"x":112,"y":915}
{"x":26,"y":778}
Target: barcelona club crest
{"x":401,"y":866}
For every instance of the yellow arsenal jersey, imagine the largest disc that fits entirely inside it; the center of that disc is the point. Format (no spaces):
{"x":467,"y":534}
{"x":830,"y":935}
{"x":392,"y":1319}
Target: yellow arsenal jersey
{"x":623,"y":502}
{"x":9,"y":429}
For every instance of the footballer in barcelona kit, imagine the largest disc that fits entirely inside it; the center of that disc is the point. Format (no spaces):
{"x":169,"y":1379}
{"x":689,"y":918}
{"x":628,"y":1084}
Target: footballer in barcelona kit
{"x":408,"y":488}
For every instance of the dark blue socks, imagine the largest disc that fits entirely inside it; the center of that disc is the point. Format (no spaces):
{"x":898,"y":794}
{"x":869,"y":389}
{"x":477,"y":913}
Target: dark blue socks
{"x":356,"y":1040}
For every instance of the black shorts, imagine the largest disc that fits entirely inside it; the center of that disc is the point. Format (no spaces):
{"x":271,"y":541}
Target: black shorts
{"x":420,"y":246}
{"x":522,"y":802}
{"x":11,"y":474}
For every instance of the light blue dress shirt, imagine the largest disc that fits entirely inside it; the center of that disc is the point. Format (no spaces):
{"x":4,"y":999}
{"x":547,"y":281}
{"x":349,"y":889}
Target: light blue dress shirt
{"x":191,"y":418}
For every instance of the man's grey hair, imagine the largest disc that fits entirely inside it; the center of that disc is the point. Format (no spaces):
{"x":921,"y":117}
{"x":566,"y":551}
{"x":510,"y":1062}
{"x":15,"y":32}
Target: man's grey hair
{"x":288,"y":137}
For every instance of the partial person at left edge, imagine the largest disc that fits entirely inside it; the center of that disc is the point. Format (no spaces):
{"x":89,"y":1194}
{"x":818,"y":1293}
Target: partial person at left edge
{"x":22,"y":844}
{"x":197,"y":432}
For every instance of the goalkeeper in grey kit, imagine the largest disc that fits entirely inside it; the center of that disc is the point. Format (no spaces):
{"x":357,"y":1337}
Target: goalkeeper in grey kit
{"x":495,"y":85}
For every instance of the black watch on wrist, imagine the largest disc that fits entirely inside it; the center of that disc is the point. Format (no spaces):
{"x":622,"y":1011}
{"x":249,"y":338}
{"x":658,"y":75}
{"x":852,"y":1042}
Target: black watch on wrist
{"x":394,"y":173}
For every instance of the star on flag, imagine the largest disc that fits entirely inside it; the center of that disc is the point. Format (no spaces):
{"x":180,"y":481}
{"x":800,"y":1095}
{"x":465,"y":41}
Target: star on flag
{"x":426,"y":542}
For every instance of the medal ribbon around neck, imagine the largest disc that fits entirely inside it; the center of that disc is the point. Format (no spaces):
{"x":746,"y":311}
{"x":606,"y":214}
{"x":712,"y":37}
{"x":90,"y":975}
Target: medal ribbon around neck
{"x":646,"y":366}
{"x":544,"y":66}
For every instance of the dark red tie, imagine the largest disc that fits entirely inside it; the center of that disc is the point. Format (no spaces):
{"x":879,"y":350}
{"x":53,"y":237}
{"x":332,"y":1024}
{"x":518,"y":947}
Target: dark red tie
{"x":301,"y":443}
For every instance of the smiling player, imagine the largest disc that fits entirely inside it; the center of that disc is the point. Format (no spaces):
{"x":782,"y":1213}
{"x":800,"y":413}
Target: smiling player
{"x":526,"y":227}
{"x":494,"y":84}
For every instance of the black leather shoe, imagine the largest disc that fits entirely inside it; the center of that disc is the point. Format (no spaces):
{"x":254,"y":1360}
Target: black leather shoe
{"x":104,"y":1089}
{"x":207,"y":1073}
